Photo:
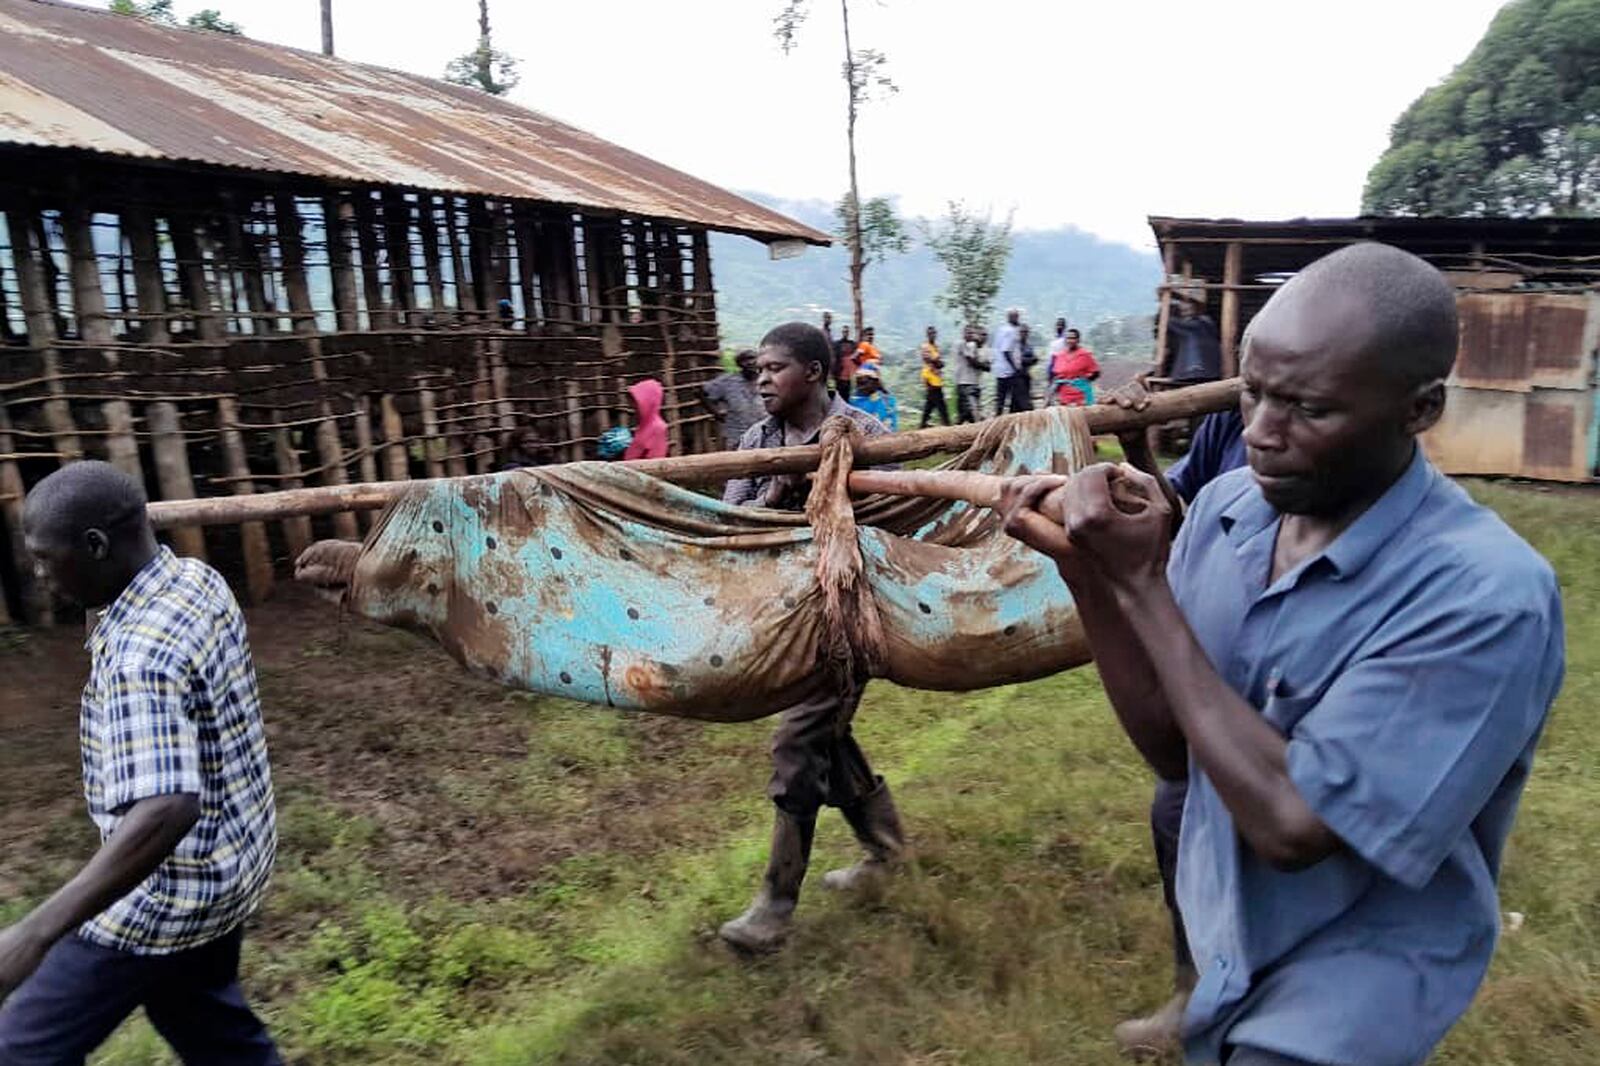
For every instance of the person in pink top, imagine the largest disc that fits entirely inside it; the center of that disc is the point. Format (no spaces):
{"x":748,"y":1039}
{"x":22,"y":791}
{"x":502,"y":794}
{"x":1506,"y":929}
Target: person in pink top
{"x":650,"y":435}
{"x":1072,"y":369}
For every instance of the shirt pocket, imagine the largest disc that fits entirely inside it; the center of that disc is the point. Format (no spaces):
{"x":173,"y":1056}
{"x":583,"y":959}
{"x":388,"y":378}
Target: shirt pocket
{"x":1285,"y":712}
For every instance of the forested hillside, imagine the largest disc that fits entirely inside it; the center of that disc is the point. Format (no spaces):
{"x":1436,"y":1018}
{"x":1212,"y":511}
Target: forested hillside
{"x":1052,"y":272}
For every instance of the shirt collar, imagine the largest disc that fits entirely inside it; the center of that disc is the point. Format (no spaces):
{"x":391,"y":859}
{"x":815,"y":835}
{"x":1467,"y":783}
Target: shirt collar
{"x":1355,"y":547}
{"x":150,"y":579}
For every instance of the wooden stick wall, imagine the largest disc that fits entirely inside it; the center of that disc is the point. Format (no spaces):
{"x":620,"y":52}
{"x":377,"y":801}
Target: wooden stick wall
{"x":221,"y":337}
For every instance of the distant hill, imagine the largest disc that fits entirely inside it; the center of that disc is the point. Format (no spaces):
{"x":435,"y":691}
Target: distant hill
{"x":1061,"y":271}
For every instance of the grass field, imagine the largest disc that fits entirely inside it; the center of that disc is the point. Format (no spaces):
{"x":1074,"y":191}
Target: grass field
{"x":474,"y":876}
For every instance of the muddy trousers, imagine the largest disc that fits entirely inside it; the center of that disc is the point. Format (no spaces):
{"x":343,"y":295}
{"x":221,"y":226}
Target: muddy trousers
{"x":815,"y":758}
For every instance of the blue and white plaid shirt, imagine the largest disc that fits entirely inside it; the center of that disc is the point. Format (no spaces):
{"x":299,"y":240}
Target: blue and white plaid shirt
{"x":171,"y":707}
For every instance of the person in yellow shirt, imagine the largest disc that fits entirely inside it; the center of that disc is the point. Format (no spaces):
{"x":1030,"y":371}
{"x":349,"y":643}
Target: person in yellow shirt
{"x":933,"y":378}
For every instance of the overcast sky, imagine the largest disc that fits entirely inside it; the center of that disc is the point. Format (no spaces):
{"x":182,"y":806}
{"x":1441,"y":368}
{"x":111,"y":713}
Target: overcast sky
{"x":1095,"y":114}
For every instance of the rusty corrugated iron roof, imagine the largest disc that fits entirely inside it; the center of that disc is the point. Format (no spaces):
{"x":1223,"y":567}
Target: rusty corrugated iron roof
{"x":74,"y":77}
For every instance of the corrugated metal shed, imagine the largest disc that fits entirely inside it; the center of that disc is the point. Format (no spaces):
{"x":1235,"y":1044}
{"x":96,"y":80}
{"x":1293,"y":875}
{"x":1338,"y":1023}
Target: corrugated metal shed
{"x":77,"y":78}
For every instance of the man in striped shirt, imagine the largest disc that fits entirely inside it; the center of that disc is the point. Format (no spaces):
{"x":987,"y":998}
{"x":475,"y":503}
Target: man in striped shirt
{"x":176,"y":778}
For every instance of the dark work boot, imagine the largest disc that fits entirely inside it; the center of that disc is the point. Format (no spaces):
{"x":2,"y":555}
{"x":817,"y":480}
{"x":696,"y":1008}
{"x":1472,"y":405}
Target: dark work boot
{"x":877,"y":826}
{"x":765,"y":925}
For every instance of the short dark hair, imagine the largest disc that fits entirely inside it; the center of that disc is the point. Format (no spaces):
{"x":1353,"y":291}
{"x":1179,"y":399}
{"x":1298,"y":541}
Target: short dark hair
{"x":82,"y":496}
{"x":1412,"y":306}
{"x":1074,"y":329}
{"x":803,"y":342}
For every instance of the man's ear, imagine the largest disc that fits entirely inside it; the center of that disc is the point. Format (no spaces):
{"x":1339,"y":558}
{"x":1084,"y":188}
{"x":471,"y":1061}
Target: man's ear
{"x":815,"y":372}
{"x":1426,"y":407}
{"x":98,"y":543}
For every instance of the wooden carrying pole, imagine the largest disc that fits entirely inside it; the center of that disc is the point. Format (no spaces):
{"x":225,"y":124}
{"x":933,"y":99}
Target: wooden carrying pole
{"x":703,"y":469}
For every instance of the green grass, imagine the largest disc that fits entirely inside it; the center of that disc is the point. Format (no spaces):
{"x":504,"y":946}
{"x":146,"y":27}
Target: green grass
{"x":1030,"y":923}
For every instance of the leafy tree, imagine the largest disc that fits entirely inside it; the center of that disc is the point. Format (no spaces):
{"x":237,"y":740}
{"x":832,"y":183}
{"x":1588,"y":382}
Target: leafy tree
{"x":974,"y":252}
{"x":1513,"y":130}
{"x":211,"y":19}
{"x":876,"y":230}
{"x":160,"y":12}
{"x":863,"y":75}
{"x":485,"y":67}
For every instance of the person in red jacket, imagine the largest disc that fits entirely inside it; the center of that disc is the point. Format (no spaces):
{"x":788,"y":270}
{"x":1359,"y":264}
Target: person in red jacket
{"x":1071,"y":370}
{"x":650,"y":435}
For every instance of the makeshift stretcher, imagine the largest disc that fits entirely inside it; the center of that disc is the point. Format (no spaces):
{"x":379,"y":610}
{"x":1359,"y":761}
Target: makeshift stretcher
{"x":603,"y":583}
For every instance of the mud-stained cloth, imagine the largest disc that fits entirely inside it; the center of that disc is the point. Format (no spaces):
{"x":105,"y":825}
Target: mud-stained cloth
{"x":597,"y":582}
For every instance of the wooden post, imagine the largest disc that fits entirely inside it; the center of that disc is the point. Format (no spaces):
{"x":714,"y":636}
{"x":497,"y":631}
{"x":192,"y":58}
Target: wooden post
{"x":595,"y":236}
{"x":367,"y":459}
{"x":432,"y":444}
{"x":297,"y":530}
{"x":1232,"y":277}
{"x":366,"y":221}
{"x":558,"y":271}
{"x":28,"y":254}
{"x":171,"y":452}
{"x":500,"y":250}
{"x":244,"y":260}
{"x":466,"y":297}
{"x":396,"y":466}
{"x":33,"y":598}
{"x":575,"y":421}
{"x":330,"y":449}
{"x":210,"y":322}
{"x":523,"y":225}
{"x":337,"y":219}
{"x":428,"y":232}
{"x":94,"y":328}
{"x":397,"y":239}
{"x":149,"y":288}
{"x":252,"y":535}
{"x":482,"y":256}
{"x":1168,"y":265}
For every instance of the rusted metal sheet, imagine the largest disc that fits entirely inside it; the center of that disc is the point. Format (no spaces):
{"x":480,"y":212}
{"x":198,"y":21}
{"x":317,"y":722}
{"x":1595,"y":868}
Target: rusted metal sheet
{"x":1556,"y":428}
{"x":73,"y":77}
{"x":1563,"y":335}
{"x":1481,"y":432}
{"x":1494,"y":342}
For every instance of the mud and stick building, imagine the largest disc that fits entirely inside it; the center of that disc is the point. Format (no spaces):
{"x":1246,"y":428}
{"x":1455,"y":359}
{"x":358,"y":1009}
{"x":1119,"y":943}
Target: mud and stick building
{"x":231,"y":267}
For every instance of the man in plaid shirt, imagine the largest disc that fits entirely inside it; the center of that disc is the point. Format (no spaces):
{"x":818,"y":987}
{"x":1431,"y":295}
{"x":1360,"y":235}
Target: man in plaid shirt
{"x":175,"y":774}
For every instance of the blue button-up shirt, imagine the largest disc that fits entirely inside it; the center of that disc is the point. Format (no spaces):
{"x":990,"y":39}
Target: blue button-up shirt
{"x":1410,"y":664}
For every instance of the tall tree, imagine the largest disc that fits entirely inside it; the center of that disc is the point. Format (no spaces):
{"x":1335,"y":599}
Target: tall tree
{"x":863,"y":75}
{"x":1514,"y":130}
{"x":327,"y":27}
{"x":484,"y":67}
{"x":974,"y":251}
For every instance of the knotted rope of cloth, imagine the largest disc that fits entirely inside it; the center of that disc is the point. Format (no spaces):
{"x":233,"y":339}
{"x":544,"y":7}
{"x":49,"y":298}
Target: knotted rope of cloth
{"x":852,"y":645}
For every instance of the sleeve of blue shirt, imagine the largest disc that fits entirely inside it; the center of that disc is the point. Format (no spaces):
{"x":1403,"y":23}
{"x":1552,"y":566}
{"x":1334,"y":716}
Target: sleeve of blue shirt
{"x":1405,"y":749}
{"x":1206,"y":457}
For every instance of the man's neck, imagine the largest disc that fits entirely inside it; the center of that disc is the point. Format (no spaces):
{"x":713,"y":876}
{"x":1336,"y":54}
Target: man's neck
{"x":809,"y":416}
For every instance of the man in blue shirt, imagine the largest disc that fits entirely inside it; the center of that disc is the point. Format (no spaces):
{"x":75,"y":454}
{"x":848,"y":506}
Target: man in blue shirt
{"x":1351,"y":660}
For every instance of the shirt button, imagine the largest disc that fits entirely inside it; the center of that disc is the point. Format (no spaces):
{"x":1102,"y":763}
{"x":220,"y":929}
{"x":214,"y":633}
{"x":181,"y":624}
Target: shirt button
{"x":1222,"y":962}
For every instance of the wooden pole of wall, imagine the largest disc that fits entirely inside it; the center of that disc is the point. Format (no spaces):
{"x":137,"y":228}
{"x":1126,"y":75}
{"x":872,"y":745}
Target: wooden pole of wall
{"x":28,"y":253}
{"x":297,"y":530}
{"x":149,"y":288}
{"x":575,"y":422}
{"x":1232,"y":274}
{"x":396,"y":467}
{"x":1164,"y":315}
{"x":397,"y":240}
{"x":33,"y":598}
{"x":337,"y":219}
{"x":94,"y":328}
{"x":367,"y":238}
{"x":466,"y":290}
{"x":558,"y":270}
{"x":252,"y":535}
{"x":205,"y":305}
{"x":527,"y":265}
{"x":244,"y":263}
{"x":500,"y":253}
{"x":330,"y":449}
{"x":428,"y":233}
{"x":432,"y":445}
{"x":367,"y":461}
{"x":171,"y":452}
{"x":482,"y":256}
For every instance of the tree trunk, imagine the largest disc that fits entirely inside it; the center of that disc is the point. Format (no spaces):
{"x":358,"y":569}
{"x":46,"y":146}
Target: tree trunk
{"x":485,"y":53}
{"x":853,"y":219}
{"x":327,"y":27}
